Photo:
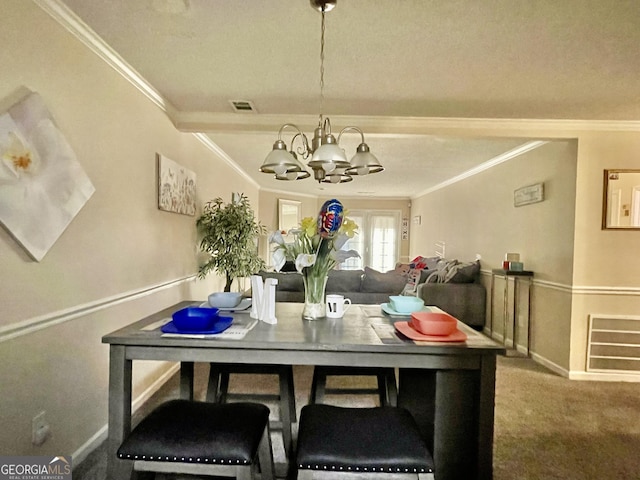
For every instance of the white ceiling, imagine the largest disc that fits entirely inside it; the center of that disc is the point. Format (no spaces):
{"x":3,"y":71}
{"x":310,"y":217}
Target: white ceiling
{"x":385,"y":60}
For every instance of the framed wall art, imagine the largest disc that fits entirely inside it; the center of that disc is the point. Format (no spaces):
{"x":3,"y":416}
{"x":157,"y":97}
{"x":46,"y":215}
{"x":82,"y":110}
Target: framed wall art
{"x":176,"y":187}
{"x":528,"y":195}
{"x":42,"y":184}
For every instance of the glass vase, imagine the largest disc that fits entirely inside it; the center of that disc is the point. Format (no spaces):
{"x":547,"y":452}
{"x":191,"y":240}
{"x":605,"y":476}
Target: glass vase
{"x":315,"y":304}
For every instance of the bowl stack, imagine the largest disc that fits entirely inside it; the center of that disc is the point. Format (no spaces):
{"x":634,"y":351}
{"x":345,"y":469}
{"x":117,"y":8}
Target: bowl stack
{"x":433,"y":323}
{"x":406,"y":304}
{"x":431,"y":327}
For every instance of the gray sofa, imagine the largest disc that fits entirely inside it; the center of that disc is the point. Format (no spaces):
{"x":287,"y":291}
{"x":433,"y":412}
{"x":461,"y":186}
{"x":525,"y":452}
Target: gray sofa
{"x":465,"y":301}
{"x":366,"y":286}
{"x":455,"y":288}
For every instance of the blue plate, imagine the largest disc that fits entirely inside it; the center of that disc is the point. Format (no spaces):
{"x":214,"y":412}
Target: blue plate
{"x":220,"y":325}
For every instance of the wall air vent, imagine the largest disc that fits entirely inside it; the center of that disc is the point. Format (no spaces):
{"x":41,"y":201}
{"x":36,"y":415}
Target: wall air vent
{"x":614,"y":344}
{"x":243,"y":106}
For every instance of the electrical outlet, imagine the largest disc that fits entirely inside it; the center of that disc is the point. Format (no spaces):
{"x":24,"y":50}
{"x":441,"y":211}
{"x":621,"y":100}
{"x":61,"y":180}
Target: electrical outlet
{"x":40,"y":429}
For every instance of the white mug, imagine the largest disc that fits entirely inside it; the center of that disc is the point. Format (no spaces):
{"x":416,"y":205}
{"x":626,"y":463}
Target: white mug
{"x":337,"y":305}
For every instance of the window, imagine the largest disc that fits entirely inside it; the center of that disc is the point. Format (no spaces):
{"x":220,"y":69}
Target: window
{"x":376,"y":241}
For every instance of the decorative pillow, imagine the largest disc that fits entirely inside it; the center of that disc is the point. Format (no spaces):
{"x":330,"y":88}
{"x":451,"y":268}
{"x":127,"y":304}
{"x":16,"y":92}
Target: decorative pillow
{"x":378,"y":282}
{"x":402,"y":268}
{"x":463,"y":273}
{"x":424,"y":274}
{"x":341,"y":281}
{"x":287,"y":282}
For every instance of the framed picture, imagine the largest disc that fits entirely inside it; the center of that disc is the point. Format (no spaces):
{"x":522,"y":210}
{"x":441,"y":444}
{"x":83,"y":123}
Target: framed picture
{"x":529,"y":194}
{"x":43,"y":185}
{"x":176,"y":187}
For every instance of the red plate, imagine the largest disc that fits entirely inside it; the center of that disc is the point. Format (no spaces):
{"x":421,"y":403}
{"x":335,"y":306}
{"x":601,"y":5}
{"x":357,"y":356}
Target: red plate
{"x":406,"y":329}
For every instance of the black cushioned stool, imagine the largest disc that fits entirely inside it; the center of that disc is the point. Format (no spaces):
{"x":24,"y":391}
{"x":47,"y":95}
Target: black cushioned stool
{"x":201,"y":438}
{"x":380,"y":440}
{"x":387,"y":390}
{"x":218,"y":392}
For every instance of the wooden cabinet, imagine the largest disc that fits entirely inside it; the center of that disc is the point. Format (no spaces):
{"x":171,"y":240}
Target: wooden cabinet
{"x":510,"y":307}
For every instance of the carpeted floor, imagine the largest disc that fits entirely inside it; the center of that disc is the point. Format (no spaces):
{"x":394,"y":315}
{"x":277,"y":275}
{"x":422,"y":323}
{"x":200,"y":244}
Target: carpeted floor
{"x":546,"y":427}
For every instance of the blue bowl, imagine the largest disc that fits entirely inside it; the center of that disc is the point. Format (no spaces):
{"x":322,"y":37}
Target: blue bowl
{"x":406,"y":304}
{"x":195,"y":319}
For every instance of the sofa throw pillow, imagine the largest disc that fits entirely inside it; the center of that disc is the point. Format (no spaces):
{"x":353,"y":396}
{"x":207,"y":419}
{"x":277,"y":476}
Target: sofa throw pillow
{"x":342,"y":281}
{"x":424,"y":274}
{"x":413,"y":271}
{"x":463,"y":273}
{"x":378,"y":282}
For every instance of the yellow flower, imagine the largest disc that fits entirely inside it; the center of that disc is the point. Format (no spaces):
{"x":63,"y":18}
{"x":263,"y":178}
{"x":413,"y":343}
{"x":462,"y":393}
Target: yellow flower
{"x":309,"y":226}
{"x":349,"y":227}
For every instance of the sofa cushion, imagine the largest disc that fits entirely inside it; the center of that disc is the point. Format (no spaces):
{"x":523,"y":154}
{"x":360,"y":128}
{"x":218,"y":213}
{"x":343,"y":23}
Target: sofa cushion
{"x":378,"y":282}
{"x":463,"y":273}
{"x":424,"y":274}
{"x":287,"y":282}
{"x":341,"y":281}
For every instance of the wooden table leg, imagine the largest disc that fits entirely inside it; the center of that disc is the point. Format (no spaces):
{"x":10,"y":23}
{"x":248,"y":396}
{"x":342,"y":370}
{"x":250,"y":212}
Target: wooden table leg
{"x":119,"y":411}
{"x":455,"y":412}
{"x":186,"y":380}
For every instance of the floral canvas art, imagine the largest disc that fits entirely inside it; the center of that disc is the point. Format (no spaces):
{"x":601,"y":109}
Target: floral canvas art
{"x":176,"y":187}
{"x":42,"y":185}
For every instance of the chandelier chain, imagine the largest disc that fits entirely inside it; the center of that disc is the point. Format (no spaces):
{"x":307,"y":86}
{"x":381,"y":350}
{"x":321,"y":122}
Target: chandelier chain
{"x":322,"y":66}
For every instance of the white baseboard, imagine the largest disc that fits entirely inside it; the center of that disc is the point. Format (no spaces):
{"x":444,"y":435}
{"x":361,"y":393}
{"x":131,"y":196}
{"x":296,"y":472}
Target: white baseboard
{"x":604,"y":376}
{"x":101,"y":435}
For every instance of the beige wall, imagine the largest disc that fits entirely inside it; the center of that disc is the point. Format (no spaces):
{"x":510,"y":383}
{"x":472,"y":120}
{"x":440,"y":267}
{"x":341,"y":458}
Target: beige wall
{"x":120,"y":259}
{"x":607,"y":263}
{"x":477,"y":216}
{"x":597,"y":274}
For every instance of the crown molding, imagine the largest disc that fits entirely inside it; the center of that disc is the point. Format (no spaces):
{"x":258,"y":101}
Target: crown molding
{"x":207,"y":142}
{"x":378,"y":125}
{"x":74,"y":24}
{"x":504,"y":157}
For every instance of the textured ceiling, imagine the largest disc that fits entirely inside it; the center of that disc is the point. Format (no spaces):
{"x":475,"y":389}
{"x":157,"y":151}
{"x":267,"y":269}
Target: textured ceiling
{"x":525,"y":59}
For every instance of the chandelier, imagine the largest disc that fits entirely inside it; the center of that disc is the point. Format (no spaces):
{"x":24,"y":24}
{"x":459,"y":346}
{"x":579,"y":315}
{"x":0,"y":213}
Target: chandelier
{"x":328,"y":161}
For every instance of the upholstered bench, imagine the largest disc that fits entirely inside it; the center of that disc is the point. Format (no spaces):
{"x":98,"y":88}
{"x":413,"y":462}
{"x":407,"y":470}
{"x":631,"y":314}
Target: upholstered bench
{"x":380,"y":440}
{"x":202,"y":438}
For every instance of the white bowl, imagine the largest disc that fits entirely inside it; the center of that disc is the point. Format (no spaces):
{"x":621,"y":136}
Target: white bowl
{"x":225,"y":299}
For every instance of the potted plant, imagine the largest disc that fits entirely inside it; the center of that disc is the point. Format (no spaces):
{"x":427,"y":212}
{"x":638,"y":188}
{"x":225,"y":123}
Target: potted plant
{"x":229,"y":235}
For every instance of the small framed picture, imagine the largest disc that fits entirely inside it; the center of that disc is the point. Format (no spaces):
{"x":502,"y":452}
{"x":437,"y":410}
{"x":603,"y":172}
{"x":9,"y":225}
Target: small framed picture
{"x":176,"y":187}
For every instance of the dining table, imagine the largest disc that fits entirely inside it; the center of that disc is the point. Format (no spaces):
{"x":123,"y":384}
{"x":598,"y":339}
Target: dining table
{"x":449,"y":387}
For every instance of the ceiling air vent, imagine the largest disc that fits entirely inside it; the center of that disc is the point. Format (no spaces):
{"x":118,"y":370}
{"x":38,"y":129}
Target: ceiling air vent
{"x":243,"y":106}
